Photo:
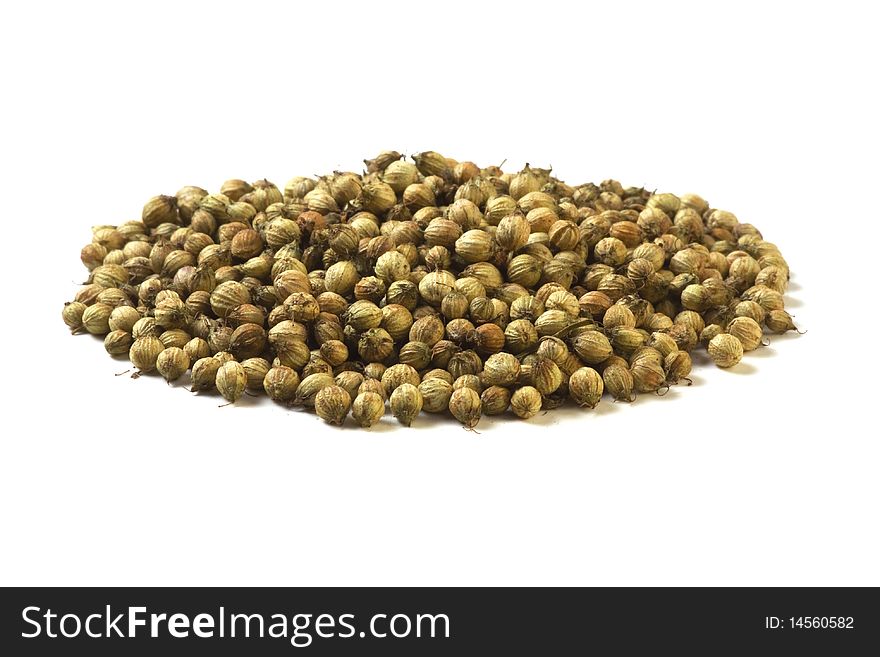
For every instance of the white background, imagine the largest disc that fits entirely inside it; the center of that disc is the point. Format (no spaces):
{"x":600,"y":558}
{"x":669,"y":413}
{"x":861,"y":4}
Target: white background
{"x":765,"y":475}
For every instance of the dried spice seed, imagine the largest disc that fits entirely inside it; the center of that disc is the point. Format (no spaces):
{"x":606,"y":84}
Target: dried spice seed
{"x":500,"y":369}
{"x":406,"y":403}
{"x":495,"y":400}
{"x":231,"y":380}
{"x":332,"y":404}
{"x":779,"y":321}
{"x":526,"y":402}
{"x":144,"y":353}
{"x":648,"y":376}
{"x":586,"y":386}
{"x":433,"y":284}
{"x":367,"y":409}
{"x":117,"y":343}
{"x":310,"y":386}
{"x":725,"y":350}
{"x":678,"y":366}
{"x":204,"y":374}
{"x":546,"y":376}
{"x":256,"y":370}
{"x":172,"y":363}
{"x":465,"y":406}
{"x":619,"y":382}
{"x":747,"y":331}
{"x":280,"y":383}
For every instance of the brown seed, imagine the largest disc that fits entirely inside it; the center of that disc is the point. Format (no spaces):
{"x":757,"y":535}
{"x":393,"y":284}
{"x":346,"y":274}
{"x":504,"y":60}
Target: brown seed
{"x":231,"y":380}
{"x":592,"y":347}
{"x":228,"y":296}
{"x":172,"y":363}
{"x":619,"y":382}
{"x":500,"y":369}
{"x":513,"y":232}
{"x":779,"y":321}
{"x":488,"y":339}
{"x":397,"y":375}
{"x":73,"y":313}
{"x":520,"y":335}
{"x":341,"y":278}
{"x":117,"y":343}
{"x":280,"y":383}
{"x":248,"y":341}
{"x":431,"y":279}
{"x":123,"y":318}
{"x":310,"y":386}
{"x":475,"y":246}
{"x":204,"y":374}
{"x":436,"y":393}
{"x":747,"y":331}
{"x":648,"y":376}
{"x":372,"y":385}
{"x":144,"y":352}
{"x":256,"y":370}
{"x":662,"y":342}
{"x":334,"y":352}
{"x":406,"y":403}
{"x":465,"y":406}
{"x":546,"y":376}
{"x":526,"y":402}
{"x":416,"y":354}
{"x":494,"y":400}
{"x":750,"y":309}
{"x":695,"y":297}
{"x":553,"y":348}
{"x":159,"y":210}
{"x":332,"y":404}
{"x":246,"y":244}
{"x":96,"y":318}
{"x":367,"y":409}
{"x":618,"y":316}
{"x":471,"y":381}
{"x":350,"y":381}
{"x":375,"y":345}
{"x":610,"y":251}
{"x":677,"y":365}
{"x":725,"y":350}
{"x":585,"y":386}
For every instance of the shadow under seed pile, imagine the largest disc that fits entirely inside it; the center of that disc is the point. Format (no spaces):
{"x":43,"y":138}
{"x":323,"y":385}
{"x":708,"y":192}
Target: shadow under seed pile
{"x":432,"y":285}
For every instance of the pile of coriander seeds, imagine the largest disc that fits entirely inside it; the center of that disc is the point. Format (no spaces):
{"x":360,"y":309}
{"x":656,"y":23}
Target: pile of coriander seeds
{"x":432,"y":286}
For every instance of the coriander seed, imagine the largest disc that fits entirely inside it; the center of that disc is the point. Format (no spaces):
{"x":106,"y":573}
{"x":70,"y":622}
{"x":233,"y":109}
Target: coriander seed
{"x":144,"y":352}
{"x":678,"y":366}
{"x":495,"y":400}
{"x":465,"y":406}
{"x":725,"y":350}
{"x":367,"y":409}
{"x":204,"y":374}
{"x":172,"y":363}
{"x":117,"y":343}
{"x":436,"y":393}
{"x":281,"y":383}
{"x":432,"y":283}
{"x":231,"y":380}
{"x":747,"y":331}
{"x":525,"y":402}
{"x":779,"y":321}
{"x":310,"y":386}
{"x":406,"y":403}
{"x":619,"y":382}
{"x":585,"y":386}
{"x":332,"y":404}
{"x":73,"y":314}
